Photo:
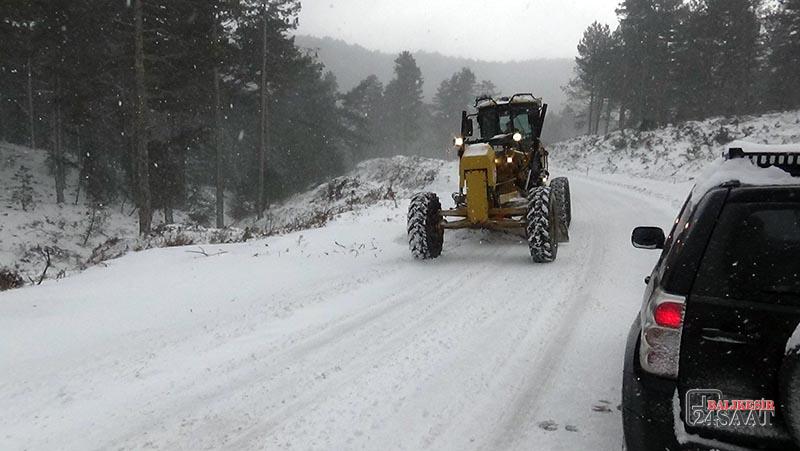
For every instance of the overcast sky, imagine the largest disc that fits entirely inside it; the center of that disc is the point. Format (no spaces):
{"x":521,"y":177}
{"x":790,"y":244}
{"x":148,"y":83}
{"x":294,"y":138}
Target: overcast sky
{"x":481,"y":29}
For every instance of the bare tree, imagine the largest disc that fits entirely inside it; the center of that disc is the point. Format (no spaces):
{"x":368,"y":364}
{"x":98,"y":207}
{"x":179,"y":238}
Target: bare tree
{"x":58,"y":144}
{"x":141,"y":158}
{"x":31,"y":117}
{"x":220,"y":181}
{"x":262,"y":154}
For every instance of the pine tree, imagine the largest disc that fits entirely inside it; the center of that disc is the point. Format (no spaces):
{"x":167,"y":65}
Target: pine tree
{"x":723,"y":57}
{"x":648,"y":30}
{"x":592,"y":70}
{"x":404,"y":107}
{"x":453,"y":96}
{"x":784,"y":61}
{"x":23,"y":192}
{"x":363,"y":115}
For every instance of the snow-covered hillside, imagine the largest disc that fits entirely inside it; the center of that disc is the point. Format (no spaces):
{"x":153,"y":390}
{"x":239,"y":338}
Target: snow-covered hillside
{"x":40,"y":227}
{"x":381,"y":181}
{"x":676,"y":153}
{"x":74,"y":235}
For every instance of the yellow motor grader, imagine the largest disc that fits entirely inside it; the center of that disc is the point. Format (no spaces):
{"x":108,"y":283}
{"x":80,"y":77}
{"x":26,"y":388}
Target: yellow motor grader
{"x":504,"y":183}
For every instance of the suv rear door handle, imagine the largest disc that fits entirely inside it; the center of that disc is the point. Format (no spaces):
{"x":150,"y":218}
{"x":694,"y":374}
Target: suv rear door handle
{"x":721,"y":336}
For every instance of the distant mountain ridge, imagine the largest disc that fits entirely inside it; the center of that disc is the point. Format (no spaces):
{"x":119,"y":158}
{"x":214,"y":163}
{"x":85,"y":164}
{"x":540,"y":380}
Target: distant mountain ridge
{"x":352,"y":63}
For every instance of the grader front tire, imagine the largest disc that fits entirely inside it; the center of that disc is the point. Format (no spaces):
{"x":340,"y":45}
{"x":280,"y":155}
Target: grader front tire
{"x":541,"y":225}
{"x":425,"y":233}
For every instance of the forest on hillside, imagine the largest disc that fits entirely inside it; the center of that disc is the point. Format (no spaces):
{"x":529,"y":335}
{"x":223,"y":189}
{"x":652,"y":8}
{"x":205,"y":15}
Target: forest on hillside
{"x":159,"y":102}
{"x":544,"y":77}
{"x":152,"y":100}
{"x":671,"y":61}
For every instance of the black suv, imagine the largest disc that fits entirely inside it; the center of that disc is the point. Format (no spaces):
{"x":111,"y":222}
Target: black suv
{"x":711,"y":362}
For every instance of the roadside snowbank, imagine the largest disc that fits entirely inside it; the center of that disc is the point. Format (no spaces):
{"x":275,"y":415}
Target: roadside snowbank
{"x":372,"y":182}
{"x":675,"y":153}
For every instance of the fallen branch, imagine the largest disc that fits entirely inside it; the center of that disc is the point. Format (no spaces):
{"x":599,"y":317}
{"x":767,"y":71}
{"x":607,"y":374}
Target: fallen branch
{"x":206,"y":254}
{"x":46,"y":254}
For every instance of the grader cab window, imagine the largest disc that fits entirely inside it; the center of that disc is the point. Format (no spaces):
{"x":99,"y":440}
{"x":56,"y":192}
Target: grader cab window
{"x":495,"y":122}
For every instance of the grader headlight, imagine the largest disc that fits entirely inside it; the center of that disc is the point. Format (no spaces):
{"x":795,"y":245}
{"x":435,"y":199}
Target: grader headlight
{"x":517,"y":137}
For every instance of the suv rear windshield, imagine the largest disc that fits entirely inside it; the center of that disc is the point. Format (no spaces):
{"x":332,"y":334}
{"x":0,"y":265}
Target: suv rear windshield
{"x":754,"y":251}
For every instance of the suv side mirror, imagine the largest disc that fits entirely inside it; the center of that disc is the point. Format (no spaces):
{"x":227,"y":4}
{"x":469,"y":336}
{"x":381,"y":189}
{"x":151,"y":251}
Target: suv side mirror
{"x":648,"y":238}
{"x":467,"y":127}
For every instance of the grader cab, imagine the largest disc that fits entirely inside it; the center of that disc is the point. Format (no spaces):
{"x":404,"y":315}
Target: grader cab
{"x":504,"y":182}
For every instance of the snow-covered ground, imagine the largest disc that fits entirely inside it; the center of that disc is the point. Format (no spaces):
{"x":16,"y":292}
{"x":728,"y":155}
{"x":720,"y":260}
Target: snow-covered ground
{"x":335,"y":338}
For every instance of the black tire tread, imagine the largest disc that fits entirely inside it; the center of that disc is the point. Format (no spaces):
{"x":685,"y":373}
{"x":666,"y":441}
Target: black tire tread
{"x":425,"y":235}
{"x":561,"y":187}
{"x":540,"y":228}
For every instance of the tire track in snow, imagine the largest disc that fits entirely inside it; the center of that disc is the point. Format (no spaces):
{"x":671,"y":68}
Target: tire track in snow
{"x":403,"y":341}
{"x":566,"y":318}
{"x":522,"y":431}
{"x":341,"y":339}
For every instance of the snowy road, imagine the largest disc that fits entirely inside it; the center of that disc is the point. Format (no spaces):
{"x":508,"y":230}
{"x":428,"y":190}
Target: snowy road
{"x":336,"y":339}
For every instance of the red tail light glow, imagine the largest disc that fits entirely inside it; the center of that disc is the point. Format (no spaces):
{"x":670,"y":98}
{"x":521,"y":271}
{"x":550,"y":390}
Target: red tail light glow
{"x":669,"y":314}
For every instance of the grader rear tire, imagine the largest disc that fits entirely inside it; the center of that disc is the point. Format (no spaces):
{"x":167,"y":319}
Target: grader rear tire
{"x":541,"y":225}
{"x":563,"y":207}
{"x":425,"y":233}
{"x":560,"y":186}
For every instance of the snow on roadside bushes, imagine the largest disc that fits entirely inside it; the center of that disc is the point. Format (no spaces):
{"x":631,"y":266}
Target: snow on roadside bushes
{"x":675,"y":153}
{"x":371,"y":182}
{"x":67,"y":238}
{"x":171,"y":235}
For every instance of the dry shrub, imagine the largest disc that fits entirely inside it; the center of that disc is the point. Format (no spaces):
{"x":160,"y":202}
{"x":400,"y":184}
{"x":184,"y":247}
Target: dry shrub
{"x":10,"y":279}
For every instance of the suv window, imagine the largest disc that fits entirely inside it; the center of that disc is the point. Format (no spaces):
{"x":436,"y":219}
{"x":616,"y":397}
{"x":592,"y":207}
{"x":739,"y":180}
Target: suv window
{"x":678,"y":231}
{"x":753,"y":252}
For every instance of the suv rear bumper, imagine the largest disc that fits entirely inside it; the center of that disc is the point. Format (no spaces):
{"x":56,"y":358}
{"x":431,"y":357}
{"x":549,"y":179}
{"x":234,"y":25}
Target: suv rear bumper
{"x":647,"y":418}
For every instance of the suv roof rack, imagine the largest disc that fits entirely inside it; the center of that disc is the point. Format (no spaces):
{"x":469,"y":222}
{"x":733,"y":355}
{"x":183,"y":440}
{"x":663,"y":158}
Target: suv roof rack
{"x":786,"y":158}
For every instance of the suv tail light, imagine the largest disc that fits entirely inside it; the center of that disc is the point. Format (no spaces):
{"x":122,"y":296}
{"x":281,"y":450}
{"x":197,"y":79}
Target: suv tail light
{"x":669,"y":315}
{"x":662,"y":326}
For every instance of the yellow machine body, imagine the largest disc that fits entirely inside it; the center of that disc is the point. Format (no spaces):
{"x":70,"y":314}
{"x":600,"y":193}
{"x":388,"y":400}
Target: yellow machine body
{"x":491,"y":199}
{"x":478,"y":173}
